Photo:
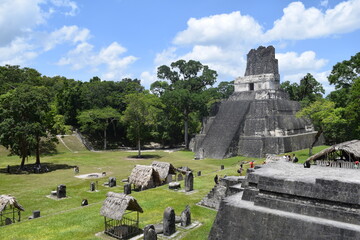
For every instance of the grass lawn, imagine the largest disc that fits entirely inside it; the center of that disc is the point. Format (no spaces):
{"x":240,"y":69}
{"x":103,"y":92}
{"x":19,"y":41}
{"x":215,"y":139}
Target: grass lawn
{"x":66,"y":219}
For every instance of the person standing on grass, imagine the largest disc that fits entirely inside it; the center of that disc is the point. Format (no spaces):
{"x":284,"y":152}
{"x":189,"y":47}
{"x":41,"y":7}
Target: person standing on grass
{"x":216,"y":179}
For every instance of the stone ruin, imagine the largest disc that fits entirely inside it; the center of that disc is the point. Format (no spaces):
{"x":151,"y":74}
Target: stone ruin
{"x":61,"y":191}
{"x":257,"y":119}
{"x":283,"y":200}
{"x":169,"y":221}
{"x":227,"y":186}
{"x":189,"y":182}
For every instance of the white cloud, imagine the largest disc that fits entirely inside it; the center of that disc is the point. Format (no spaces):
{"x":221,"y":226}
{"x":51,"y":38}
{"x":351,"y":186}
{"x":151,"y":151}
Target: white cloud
{"x":166,"y":57}
{"x":17,"y":52}
{"x":222,"y":29}
{"x":147,"y":78}
{"x":20,"y":41}
{"x":299,"y":23}
{"x":84,"y":57}
{"x":67,"y":4}
{"x":291,"y":62}
{"x":71,"y":34}
{"x":17,"y":18}
{"x":221,"y":41}
{"x":324,"y":3}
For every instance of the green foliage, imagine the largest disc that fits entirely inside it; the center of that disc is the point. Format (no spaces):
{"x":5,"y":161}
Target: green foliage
{"x":344,"y":73}
{"x":13,"y":76}
{"x":188,"y":80}
{"x":25,"y":117}
{"x":95,"y":120}
{"x":307,"y":92}
{"x":141,"y":115}
{"x":327,"y":119}
{"x":225,"y":89}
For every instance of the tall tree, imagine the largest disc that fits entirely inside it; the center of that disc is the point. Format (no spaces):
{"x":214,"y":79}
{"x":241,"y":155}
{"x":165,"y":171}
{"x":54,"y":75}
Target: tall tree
{"x":93,"y":120}
{"x":25,"y":117}
{"x":188,"y":81}
{"x":141,"y":115}
{"x":343,"y":76}
{"x":308,"y":91}
{"x":326,"y":118}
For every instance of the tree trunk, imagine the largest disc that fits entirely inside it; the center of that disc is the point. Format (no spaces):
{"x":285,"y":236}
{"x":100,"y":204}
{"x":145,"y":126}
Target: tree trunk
{"x":317,"y":136}
{"x":139,"y":148}
{"x":186,"y":129}
{"x":105,"y":139}
{"x":22,"y":163}
{"x":37,"y":163}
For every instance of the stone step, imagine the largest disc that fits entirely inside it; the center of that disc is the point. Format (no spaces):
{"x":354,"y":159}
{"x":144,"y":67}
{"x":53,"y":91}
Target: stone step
{"x":309,"y":207}
{"x":279,"y":224}
{"x":235,"y":189}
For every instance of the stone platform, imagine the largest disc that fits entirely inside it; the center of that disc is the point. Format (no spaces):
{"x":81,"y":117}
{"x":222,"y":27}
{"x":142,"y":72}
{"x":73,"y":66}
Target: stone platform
{"x":282,"y":200}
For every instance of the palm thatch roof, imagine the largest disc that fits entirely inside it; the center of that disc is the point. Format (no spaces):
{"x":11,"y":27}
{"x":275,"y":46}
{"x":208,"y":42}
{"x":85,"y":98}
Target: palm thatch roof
{"x":8,"y":200}
{"x":351,"y":148}
{"x":163,"y":168}
{"x":142,"y":176}
{"x":116,"y":204}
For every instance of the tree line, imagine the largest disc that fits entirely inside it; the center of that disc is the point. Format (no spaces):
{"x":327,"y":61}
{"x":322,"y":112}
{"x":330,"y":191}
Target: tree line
{"x":35,"y":108}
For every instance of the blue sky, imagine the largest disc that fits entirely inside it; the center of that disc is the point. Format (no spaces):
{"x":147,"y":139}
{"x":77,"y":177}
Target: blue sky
{"x":114,"y":39}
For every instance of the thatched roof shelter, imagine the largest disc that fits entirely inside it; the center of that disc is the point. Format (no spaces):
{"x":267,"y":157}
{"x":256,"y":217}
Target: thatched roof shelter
{"x":116,"y":204}
{"x":350,"y":150}
{"x":8,"y":200}
{"x":163,"y":168}
{"x":144,"y":177}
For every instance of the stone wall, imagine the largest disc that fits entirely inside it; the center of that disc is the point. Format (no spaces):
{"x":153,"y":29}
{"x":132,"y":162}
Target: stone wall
{"x":282,"y":200}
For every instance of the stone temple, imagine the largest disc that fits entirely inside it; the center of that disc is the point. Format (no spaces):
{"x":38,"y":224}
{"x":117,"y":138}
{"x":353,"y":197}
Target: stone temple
{"x":257,"y":119}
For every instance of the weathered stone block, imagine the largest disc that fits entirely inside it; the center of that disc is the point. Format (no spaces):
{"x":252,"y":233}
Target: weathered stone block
{"x":169,"y":221}
{"x":61,"y":191}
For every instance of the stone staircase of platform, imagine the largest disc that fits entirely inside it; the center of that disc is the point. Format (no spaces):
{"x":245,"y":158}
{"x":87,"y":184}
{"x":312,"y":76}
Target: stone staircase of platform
{"x":224,"y":129}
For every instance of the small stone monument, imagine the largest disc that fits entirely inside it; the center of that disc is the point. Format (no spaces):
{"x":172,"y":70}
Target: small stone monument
{"x":149,"y":232}
{"x":199,"y":173}
{"x":174,"y":185}
{"x":8,"y":221}
{"x":222,"y":167}
{"x":61,"y":191}
{"x":127,"y":188}
{"x":92,"y":187}
{"x":84,"y":202}
{"x":186,"y":217}
{"x":112,"y":182}
{"x":169,"y":221}
{"x":36,"y":214}
{"x":169,"y":178}
{"x":189,"y":182}
{"x":180,"y":177}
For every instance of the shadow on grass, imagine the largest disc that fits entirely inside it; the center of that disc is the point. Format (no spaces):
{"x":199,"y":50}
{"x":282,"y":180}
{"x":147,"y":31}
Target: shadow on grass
{"x":144,"y":156}
{"x":33,"y":169}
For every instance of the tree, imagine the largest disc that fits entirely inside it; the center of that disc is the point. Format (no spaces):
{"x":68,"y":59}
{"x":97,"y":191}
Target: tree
{"x":188,"y":81}
{"x":140,"y":116}
{"x":98,"y":120}
{"x":13,"y":76}
{"x":326,"y":118}
{"x":343,"y":76}
{"x":308,"y":91}
{"x":344,"y":73}
{"x":25,"y":117}
{"x":225,"y":89}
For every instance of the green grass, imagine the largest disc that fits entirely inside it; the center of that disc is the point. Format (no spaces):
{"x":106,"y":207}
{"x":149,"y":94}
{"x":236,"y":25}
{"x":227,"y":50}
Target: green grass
{"x":65,"y":219}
